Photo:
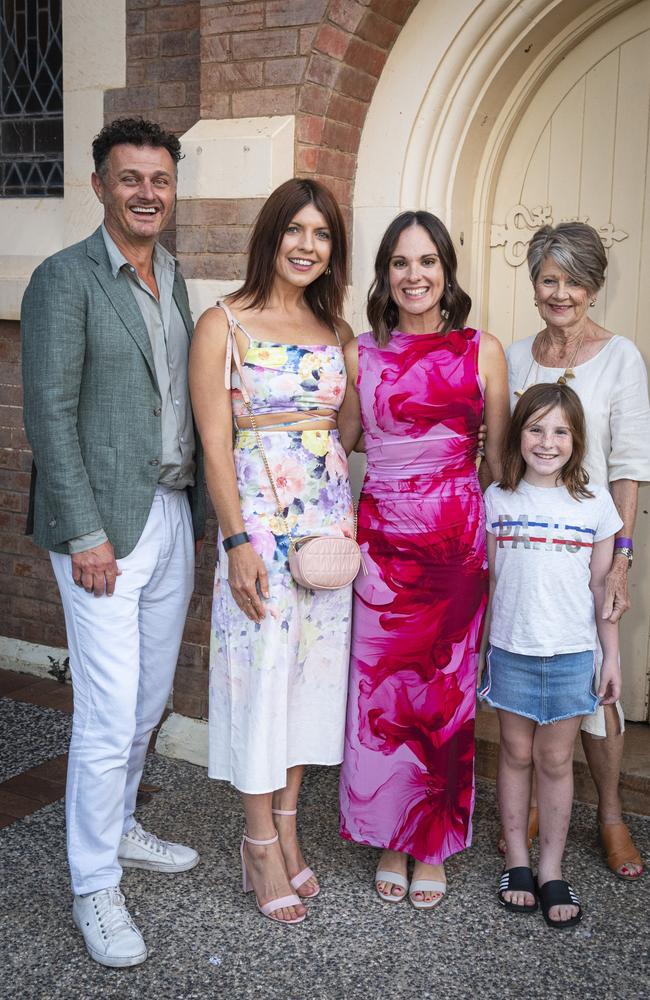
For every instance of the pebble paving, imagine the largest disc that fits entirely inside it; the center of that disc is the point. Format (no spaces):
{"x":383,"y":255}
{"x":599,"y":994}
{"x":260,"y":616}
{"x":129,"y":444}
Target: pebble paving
{"x":206,"y":938}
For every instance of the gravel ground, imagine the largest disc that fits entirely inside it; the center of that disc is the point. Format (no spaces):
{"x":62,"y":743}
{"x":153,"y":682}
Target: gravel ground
{"x":206,"y":938}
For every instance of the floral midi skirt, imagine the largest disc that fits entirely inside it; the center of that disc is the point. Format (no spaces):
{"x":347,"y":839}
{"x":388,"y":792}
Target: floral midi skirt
{"x":278,"y":688}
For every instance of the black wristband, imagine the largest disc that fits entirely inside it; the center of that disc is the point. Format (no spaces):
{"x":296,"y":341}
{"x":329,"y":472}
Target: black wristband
{"x":234,"y":540}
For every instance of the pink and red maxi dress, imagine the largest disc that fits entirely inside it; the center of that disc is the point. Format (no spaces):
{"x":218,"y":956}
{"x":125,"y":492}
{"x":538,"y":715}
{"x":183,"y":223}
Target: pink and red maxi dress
{"x":407,"y":781}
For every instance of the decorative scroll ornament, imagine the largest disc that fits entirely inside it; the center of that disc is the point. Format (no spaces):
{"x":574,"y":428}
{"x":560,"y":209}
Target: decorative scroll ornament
{"x":521,"y":223}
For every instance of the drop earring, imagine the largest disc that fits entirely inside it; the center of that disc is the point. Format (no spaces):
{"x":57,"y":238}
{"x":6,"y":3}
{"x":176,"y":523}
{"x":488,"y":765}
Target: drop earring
{"x":328,"y":270}
{"x":592,"y":303}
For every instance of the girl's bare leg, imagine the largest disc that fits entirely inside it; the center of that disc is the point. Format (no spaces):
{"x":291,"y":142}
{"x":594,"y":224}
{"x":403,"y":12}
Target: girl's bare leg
{"x":553,"y":757}
{"x":513,"y":791}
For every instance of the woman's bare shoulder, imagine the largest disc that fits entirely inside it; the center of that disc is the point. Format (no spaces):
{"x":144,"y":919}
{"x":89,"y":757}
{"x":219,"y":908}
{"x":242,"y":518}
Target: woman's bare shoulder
{"x":351,"y":349}
{"x":211,"y":324}
{"x":490,"y":345}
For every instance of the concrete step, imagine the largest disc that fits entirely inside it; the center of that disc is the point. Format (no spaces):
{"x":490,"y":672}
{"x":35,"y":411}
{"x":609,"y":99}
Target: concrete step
{"x":635,"y":774}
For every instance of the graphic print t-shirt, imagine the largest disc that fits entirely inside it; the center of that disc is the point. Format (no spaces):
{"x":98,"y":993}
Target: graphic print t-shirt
{"x":542,"y":603}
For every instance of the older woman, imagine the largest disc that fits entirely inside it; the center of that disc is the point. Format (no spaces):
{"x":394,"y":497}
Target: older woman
{"x":567,"y":268}
{"x":418,"y":385}
{"x":278,"y":669}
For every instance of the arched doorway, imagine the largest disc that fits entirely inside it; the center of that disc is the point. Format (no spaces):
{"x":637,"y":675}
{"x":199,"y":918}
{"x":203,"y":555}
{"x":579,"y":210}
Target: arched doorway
{"x":524,"y":113}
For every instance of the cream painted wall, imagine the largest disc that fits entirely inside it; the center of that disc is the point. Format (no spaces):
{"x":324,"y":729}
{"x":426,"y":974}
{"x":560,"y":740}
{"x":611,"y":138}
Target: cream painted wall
{"x":33,"y":228}
{"x":237,"y":157}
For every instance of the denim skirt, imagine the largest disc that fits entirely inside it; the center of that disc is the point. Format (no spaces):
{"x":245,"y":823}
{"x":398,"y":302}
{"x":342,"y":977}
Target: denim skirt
{"x":543,"y":688}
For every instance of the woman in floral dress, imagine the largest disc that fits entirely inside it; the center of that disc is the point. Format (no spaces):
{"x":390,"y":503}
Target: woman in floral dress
{"x":278,"y":667}
{"x":419,"y":385}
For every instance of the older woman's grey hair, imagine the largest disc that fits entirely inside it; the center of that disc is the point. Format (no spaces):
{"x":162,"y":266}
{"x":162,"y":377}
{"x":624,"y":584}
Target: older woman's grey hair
{"x":576,"y":247}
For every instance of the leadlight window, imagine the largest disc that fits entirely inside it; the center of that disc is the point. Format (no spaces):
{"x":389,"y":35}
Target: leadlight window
{"x":31,"y":99}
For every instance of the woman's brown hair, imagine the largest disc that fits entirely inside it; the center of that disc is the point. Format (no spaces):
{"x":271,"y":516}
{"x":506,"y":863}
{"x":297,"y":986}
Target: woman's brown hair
{"x":325,"y":295}
{"x":536,"y":401}
{"x":455,"y":304}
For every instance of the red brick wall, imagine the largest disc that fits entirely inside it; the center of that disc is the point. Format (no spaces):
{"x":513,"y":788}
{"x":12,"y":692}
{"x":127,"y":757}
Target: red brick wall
{"x":30,"y":608}
{"x":29,"y":599}
{"x":191,"y":59}
{"x":162,"y":65}
{"x":162,"y":70}
{"x":315,"y":59}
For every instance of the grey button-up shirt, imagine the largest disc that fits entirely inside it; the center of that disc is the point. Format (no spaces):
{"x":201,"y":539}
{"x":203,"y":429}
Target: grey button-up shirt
{"x":170,"y":348}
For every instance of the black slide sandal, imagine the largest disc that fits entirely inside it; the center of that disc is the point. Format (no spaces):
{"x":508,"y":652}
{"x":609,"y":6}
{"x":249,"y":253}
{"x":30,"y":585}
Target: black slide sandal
{"x":557,"y":892}
{"x":517,"y":880}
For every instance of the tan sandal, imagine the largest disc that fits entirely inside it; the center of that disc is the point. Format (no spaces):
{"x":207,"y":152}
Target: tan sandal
{"x":533,"y":830}
{"x":619,"y":850}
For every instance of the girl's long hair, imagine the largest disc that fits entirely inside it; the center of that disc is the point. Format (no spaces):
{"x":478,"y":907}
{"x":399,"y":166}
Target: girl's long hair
{"x":537,"y":400}
{"x":455,"y":304}
{"x":325,"y":295}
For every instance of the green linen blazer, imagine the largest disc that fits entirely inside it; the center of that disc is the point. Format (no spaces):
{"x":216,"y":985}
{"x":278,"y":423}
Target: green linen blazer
{"x":92,"y":404}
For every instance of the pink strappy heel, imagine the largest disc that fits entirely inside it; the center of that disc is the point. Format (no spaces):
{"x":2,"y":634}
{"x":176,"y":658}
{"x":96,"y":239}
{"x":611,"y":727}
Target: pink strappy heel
{"x":268,"y":909}
{"x":306,"y":873}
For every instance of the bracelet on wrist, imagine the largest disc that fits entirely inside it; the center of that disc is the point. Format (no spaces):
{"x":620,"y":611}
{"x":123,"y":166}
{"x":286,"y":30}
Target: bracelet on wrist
{"x":232,"y":541}
{"x":627,"y":552}
{"x":623,"y":543}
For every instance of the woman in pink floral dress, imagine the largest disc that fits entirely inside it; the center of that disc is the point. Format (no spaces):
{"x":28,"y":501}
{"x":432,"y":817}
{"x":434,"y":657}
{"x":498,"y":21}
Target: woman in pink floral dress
{"x":419,"y":385}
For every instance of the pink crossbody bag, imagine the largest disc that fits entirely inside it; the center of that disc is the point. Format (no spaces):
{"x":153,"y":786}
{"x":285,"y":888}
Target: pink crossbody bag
{"x":316,"y":562}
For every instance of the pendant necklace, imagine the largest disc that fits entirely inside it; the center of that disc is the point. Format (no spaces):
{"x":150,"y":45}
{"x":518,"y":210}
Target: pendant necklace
{"x":566,"y":374}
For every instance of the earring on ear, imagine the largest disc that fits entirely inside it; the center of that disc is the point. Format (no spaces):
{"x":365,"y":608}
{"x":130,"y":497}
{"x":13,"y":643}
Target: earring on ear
{"x":592,"y":303}
{"x":328,"y":270}
{"x":535,"y":303}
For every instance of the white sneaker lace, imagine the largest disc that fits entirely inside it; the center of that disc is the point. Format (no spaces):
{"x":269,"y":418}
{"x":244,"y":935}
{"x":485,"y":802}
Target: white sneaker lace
{"x":148,"y":840}
{"x":112,"y":914}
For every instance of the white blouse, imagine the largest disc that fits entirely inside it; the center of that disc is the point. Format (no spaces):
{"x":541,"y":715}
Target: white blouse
{"x":613,"y":389}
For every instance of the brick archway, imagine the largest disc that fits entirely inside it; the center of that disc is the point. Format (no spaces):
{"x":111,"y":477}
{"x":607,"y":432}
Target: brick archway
{"x":315,"y":59}
{"x":348,"y":54}
{"x":319,"y":60}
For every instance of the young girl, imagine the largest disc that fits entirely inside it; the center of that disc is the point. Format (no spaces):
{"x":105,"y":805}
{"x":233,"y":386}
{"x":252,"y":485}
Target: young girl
{"x":550,"y":546}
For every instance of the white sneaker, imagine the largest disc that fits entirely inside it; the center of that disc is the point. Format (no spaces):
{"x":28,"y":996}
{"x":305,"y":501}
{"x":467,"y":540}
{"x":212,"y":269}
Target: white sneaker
{"x":139,"y":849}
{"x":111,"y":936}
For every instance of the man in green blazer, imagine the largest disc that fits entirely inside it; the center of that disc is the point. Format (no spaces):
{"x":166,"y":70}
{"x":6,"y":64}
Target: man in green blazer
{"x":118,"y":500}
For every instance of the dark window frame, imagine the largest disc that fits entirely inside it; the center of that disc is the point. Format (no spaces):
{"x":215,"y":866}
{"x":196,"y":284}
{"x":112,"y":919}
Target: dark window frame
{"x":31,"y":99}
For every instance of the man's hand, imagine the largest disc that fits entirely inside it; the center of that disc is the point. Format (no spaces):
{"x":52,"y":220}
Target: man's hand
{"x":617,"y":600}
{"x":96,"y":570}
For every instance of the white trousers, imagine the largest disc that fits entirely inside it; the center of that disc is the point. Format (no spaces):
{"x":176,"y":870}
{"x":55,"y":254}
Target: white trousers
{"x":123,"y":653}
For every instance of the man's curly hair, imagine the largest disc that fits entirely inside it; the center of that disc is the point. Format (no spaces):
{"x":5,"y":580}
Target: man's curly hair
{"x":135,"y":132}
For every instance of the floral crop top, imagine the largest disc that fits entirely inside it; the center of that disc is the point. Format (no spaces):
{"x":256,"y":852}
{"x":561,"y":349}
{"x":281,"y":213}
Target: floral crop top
{"x":284,"y":378}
